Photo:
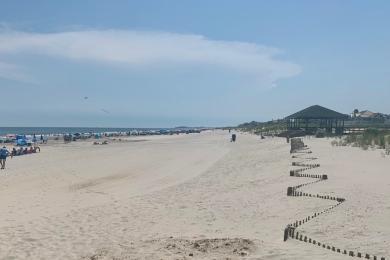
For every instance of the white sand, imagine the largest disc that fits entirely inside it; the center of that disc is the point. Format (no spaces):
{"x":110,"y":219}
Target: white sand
{"x":173,"y":196}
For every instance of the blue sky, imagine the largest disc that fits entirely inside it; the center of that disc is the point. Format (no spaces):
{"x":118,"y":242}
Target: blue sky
{"x":168,"y":63}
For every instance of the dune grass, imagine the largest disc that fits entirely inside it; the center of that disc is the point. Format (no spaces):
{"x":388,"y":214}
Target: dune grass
{"x":375,"y":138}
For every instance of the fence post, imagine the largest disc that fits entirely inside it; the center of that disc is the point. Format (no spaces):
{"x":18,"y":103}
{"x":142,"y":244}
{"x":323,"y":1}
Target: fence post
{"x":289,"y":191}
{"x":286,"y":233}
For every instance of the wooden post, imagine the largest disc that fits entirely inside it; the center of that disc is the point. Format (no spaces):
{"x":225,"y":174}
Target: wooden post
{"x":289,"y":191}
{"x":286,"y":233}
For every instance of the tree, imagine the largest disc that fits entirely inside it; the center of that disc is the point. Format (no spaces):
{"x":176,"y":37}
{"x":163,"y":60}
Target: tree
{"x":355,"y":112}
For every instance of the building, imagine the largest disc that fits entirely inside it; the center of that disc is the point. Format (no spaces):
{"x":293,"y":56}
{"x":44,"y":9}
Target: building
{"x":316,"y":117}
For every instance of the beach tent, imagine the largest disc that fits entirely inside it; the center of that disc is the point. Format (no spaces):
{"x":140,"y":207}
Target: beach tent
{"x":20,"y":137}
{"x":21,"y":142}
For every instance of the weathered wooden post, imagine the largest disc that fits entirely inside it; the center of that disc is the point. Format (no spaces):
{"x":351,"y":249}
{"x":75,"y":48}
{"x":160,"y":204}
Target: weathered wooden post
{"x":286,"y":233}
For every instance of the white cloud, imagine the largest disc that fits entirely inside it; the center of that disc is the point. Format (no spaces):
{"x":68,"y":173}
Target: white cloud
{"x":143,"y":49}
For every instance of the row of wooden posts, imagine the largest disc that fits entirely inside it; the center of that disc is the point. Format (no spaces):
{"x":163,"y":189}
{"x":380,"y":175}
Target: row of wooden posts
{"x":297,"y":146}
{"x":290,"y":232}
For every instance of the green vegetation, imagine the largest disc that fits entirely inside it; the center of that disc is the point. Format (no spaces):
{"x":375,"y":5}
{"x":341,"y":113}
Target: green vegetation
{"x":371,"y":137}
{"x":274,"y":127}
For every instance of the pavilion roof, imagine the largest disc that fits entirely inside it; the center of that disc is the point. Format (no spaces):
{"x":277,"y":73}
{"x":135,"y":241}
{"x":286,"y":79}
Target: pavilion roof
{"x":317,"y":112}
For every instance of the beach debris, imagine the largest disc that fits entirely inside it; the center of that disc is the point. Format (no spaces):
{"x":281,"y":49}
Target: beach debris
{"x":100,"y":143}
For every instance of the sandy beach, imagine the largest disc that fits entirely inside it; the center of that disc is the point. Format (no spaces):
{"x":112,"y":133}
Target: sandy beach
{"x":195,"y":196}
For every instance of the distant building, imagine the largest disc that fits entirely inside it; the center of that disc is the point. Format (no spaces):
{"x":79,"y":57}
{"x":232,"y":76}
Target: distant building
{"x":366,"y":114}
{"x":369,"y":116}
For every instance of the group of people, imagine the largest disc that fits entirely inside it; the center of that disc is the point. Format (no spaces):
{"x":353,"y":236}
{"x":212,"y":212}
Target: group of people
{"x":4,"y":153}
{"x":43,"y":139}
{"x":21,"y":151}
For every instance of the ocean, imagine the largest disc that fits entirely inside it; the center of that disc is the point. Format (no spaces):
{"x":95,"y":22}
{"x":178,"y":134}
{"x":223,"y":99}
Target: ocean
{"x":63,"y":130}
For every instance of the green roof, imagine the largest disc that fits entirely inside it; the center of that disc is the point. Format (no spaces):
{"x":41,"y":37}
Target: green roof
{"x":317,"y":112}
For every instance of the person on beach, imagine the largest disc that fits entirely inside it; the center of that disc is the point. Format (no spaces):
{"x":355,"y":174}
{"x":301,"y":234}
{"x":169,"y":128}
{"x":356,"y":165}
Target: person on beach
{"x":3,"y":156}
{"x":14,"y":152}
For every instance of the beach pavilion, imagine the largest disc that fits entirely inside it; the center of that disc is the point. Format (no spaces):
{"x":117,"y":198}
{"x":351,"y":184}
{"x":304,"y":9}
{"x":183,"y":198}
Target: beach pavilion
{"x":317,"y":117}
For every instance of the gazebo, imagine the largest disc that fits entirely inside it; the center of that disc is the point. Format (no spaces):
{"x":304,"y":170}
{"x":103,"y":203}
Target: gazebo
{"x":317,"y":117}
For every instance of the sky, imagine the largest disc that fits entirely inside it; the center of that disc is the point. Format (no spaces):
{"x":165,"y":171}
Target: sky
{"x":98,"y":63}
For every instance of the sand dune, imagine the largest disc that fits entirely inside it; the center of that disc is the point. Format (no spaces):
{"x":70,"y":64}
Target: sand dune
{"x":188,"y":197}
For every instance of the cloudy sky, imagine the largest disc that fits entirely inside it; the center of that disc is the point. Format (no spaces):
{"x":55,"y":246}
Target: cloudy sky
{"x":169,"y":63}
